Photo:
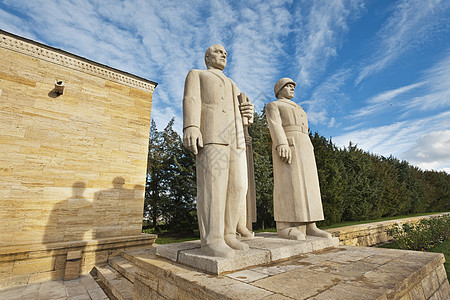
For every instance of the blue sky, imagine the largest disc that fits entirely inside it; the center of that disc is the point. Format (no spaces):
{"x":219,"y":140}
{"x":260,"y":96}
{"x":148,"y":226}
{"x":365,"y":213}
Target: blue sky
{"x":376,"y":73}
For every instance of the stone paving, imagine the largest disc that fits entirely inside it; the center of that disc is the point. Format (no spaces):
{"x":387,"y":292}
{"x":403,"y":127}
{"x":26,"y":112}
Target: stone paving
{"x":343,"y":272}
{"x":83,"y":288}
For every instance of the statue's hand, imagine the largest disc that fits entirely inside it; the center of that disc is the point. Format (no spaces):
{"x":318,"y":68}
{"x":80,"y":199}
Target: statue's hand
{"x":192,"y":137}
{"x":247,"y":109}
{"x":285,"y":153}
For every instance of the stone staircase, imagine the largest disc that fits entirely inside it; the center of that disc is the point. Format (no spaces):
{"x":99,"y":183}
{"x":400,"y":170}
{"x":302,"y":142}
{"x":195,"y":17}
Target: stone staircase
{"x":117,"y":277}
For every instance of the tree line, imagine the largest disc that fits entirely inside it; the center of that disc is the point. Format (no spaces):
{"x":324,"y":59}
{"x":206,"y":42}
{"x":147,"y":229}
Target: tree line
{"x":355,"y":184}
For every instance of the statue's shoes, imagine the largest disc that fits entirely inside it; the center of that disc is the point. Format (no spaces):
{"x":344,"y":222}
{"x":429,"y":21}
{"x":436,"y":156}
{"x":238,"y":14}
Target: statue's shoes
{"x":219,"y":250}
{"x":245,"y":233}
{"x":311,"y":229}
{"x":291,"y":233}
{"x":234,"y":243}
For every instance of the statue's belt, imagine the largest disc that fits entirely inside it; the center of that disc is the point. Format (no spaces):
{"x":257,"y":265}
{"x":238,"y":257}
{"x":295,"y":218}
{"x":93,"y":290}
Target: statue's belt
{"x":297,"y":128}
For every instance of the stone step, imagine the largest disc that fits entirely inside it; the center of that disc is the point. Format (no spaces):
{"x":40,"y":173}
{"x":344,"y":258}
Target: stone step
{"x":115,"y":284}
{"x":134,"y":255}
{"x":123,"y":266}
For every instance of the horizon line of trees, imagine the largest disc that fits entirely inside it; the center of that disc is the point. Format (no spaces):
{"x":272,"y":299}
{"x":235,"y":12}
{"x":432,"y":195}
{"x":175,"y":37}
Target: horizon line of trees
{"x":355,"y":185}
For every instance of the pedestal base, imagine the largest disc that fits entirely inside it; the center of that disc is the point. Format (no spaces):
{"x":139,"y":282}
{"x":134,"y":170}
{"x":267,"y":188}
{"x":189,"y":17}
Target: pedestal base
{"x":264,"y":248}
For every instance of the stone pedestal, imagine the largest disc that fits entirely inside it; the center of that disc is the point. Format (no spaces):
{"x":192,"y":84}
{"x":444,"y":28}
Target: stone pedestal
{"x":264,"y":248}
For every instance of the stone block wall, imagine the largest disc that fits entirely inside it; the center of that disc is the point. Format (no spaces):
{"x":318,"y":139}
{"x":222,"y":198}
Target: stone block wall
{"x":72,"y":166}
{"x":371,"y":234}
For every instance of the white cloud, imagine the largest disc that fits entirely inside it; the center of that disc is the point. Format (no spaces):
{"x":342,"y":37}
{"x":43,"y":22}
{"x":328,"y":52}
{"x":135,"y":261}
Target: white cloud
{"x":431,"y":151}
{"x":437,"y":81}
{"x":326,"y":96}
{"x":384,"y":140}
{"x":255,"y":48}
{"x":14,"y":24}
{"x":431,"y":92}
{"x":379,"y":102}
{"x":332,"y":122}
{"x":410,"y":25}
{"x":162,"y":116}
{"x":320,"y":37}
{"x":398,"y":138}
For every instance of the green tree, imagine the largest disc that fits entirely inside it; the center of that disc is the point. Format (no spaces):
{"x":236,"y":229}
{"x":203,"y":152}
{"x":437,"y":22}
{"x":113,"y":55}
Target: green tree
{"x":180,"y":182}
{"x":437,"y":192}
{"x":332,"y":182}
{"x":262,"y":157}
{"x":361,"y":187}
{"x":154,"y":188}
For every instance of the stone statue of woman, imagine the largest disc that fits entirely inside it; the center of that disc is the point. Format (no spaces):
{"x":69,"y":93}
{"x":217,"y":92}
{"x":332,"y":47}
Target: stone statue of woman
{"x":296,"y":196}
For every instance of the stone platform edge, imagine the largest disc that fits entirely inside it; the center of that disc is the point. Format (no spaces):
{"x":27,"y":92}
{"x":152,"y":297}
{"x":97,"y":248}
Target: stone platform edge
{"x":35,"y":263}
{"x":264,"y":248}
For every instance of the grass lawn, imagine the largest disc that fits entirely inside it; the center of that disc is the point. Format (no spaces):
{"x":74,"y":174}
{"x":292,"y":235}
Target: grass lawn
{"x":444,"y":248}
{"x":350,"y":223}
{"x":168,"y":238}
{"x":440,"y":248}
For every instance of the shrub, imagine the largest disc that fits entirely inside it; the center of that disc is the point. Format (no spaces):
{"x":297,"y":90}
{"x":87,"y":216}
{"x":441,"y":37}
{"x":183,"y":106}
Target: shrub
{"x":422,"y":235}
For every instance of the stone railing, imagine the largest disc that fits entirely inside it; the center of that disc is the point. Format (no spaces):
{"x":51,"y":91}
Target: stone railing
{"x":371,"y":233}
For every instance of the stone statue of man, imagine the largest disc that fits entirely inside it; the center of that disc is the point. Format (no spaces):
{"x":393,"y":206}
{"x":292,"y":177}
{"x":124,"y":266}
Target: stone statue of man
{"x":296,"y":196}
{"x":213,"y":130}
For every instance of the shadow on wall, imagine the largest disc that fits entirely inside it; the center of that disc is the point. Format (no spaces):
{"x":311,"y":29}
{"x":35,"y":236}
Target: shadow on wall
{"x":68,"y":219}
{"x":69,"y":222}
{"x":78,"y":220}
{"x":111,"y":209}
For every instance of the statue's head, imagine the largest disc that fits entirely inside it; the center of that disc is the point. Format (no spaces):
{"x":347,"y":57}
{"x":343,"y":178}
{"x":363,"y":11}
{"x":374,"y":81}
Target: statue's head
{"x":216,"y":57}
{"x":118,"y":182}
{"x":284,"y":88}
{"x":78,"y":188}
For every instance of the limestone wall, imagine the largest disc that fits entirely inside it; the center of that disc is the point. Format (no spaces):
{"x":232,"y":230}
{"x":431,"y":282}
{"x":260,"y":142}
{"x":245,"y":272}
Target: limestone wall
{"x":73,"y":166}
{"x":370,"y":234}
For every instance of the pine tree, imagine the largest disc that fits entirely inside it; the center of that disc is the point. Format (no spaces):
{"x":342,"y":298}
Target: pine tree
{"x":154,"y":188}
{"x":179,"y":167}
{"x":262,"y":158}
{"x":362,"y":188}
{"x":332,"y":181}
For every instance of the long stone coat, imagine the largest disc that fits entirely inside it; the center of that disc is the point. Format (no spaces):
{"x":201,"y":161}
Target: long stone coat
{"x":296,"y":196}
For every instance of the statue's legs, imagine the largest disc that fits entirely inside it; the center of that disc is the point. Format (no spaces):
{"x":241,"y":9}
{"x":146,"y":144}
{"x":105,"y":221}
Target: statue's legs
{"x":212,"y":185}
{"x":235,"y":196}
{"x":241,"y":227}
{"x":289,"y":230}
{"x":311,"y":229}
{"x":299,"y":230}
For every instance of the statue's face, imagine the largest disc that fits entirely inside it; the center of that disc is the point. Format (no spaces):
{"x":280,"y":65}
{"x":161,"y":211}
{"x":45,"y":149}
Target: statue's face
{"x":217,"y":58}
{"x":287,"y":91}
